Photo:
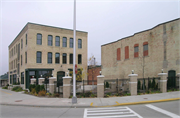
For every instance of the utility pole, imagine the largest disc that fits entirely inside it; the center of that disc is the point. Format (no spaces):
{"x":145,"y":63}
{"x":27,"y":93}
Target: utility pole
{"x":74,"y":98}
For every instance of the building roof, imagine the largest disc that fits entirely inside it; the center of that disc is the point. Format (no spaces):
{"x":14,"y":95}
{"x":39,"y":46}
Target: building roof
{"x":141,"y":32}
{"x":4,"y":77}
{"x":45,"y":26}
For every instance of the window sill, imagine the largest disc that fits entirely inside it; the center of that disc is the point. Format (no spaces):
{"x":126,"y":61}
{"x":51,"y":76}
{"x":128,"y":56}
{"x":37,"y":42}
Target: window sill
{"x":126,"y":59}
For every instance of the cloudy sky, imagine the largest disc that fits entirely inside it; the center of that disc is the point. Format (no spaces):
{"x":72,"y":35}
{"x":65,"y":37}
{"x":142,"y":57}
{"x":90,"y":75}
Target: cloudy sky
{"x":104,"y":20}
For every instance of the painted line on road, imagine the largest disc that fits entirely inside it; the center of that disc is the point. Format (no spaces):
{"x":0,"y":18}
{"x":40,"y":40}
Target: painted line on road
{"x":163,"y":111}
{"x":91,"y":104}
{"x":141,"y":102}
{"x":6,"y":92}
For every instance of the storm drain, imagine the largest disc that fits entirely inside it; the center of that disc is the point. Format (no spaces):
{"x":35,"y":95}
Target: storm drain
{"x":18,"y":101}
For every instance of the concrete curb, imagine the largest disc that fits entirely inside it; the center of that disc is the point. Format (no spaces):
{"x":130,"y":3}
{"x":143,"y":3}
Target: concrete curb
{"x":91,"y":105}
{"x":141,"y":102}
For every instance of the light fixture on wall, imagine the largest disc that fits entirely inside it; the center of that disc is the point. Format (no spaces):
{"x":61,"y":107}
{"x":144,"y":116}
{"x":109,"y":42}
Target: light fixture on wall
{"x":52,"y":75}
{"x":132,"y":71}
{"x":162,"y":70}
{"x":41,"y":75}
{"x":100,"y":72}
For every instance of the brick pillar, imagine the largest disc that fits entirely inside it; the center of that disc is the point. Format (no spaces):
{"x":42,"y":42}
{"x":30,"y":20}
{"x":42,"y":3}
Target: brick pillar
{"x":100,"y":86}
{"x":133,"y":84}
{"x":66,"y":86}
{"x":163,"y":82}
{"x":40,"y":80}
{"x":33,"y":80}
{"x":51,"y":84}
{"x":178,"y":80}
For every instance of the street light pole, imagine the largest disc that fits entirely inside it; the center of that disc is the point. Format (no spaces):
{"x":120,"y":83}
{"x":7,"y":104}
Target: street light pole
{"x":74,"y":98}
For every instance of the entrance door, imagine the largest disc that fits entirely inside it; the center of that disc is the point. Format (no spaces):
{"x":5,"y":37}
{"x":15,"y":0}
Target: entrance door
{"x":60,"y":76}
{"x":171,"y":79}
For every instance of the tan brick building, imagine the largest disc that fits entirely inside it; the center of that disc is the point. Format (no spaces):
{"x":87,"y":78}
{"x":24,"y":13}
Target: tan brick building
{"x":40,"y":50}
{"x":145,"y":52}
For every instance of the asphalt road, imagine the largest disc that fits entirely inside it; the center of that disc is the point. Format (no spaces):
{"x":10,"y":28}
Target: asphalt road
{"x":169,"y":109}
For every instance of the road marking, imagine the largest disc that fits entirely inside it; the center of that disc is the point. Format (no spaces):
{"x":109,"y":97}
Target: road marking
{"x":6,"y":92}
{"x":111,"y":112}
{"x":163,"y":111}
{"x":91,"y":104}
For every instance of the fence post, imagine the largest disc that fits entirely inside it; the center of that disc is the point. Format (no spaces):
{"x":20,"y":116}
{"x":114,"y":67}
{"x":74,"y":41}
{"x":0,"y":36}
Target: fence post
{"x":51,"y":84}
{"x":133,"y":84}
{"x":100,"y":86}
{"x":163,"y":82}
{"x":33,"y":80}
{"x":66,"y":86}
{"x":178,"y":80}
{"x":40,"y":80}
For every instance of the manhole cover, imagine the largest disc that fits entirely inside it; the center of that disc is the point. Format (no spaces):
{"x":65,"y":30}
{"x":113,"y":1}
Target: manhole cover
{"x":18,"y":101}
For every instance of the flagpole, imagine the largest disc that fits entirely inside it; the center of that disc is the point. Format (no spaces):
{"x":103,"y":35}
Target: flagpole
{"x":74,"y":98}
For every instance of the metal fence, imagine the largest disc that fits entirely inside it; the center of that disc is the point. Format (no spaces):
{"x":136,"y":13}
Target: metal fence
{"x":116,"y":87}
{"x":46,"y":84}
{"x":148,"y":84}
{"x":172,"y":83}
{"x":85,"y":88}
{"x":58,"y":88}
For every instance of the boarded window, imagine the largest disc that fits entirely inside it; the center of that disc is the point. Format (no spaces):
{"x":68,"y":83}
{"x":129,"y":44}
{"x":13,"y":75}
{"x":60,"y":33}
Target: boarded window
{"x":127,"y":52}
{"x":118,"y":54}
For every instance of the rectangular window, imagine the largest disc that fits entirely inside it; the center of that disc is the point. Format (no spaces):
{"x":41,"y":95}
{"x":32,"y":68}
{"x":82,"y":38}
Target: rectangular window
{"x":71,"y":43}
{"x":49,"y":57}
{"x":79,"y":59}
{"x":38,"y":57}
{"x":26,"y":39}
{"x":14,"y":50}
{"x":50,"y":40}
{"x":145,"y":50}
{"x":57,"y":41}
{"x":18,"y":51}
{"x":127,"y":52}
{"x":25,"y":57}
{"x":22,"y":78}
{"x":71,"y":58}
{"x":39,"y":39}
{"x":79,"y":43}
{"x":21,"y":43}
{"x":64,"y":58}
{"x":64,"y":42}
{"x":21,"y":60}
{"x":118,"y":54}
{"x":136,"y":50}
{"x":57,"y":58}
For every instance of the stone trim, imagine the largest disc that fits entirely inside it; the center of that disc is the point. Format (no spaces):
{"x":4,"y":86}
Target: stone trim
{"x":100,"y":84}
{"x":133,"y":82}
{"x":66,"y":84}
{"x":132,"y":75}
{"x":100,"y":76}
{"x":162,"y":74}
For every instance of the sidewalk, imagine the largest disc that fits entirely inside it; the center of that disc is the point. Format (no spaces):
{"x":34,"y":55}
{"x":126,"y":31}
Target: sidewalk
{"x":8,"y":97}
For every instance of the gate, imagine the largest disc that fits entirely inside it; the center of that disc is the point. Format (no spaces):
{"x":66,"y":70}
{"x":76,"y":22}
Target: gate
{"x":171,"y":83}
{"x":58,"y":87}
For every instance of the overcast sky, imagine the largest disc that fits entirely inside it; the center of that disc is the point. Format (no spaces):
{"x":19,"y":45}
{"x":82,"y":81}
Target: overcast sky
{"x":104,"y":20}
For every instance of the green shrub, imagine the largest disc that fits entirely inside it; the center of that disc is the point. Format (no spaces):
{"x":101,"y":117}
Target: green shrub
{"x":42,"y":87}
{"x":87,"y":94}
{"x":153,"y":84}
{"x":149,"y":84}
{"x":93,"y":95}
{"x":139,"y":85}
{"x":107,"y":84}
{"x":5,"y":87}
{"x":33,"y":90}
{"x":31,"y":86}
{"x":37,"y":89}
{"x":17,"y":89}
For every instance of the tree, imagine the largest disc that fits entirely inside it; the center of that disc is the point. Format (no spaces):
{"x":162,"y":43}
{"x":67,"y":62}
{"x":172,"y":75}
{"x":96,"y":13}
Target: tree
{"x":80,"y":73}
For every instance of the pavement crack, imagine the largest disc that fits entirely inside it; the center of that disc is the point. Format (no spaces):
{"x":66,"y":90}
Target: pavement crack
{"x":64,"y":113}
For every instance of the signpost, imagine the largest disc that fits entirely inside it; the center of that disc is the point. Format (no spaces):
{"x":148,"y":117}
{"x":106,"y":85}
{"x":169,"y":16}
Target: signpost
{"x":74,"y":98}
